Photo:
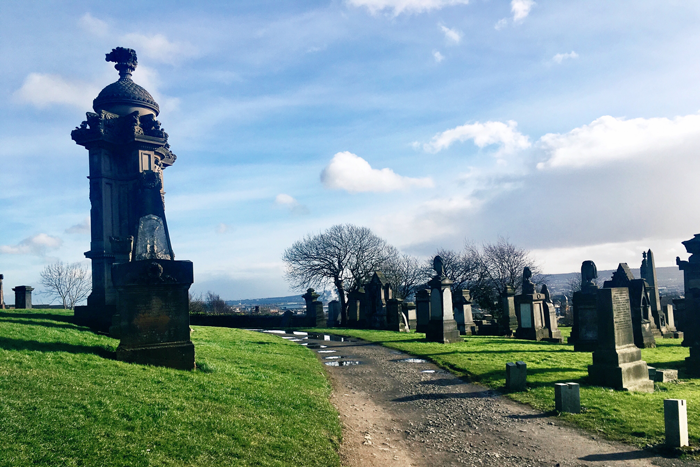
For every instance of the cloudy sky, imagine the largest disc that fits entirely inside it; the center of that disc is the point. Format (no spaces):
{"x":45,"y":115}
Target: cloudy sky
{"x":571,"y":128}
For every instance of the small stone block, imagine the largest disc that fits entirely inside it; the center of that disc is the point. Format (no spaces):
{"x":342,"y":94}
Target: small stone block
{"x":676,"y":420}
{"x":516,"y":376}
{"x":567,"y":397}
{"x":678,"y":335}
{"x":652,"y":373}
{"x":664,"y":376}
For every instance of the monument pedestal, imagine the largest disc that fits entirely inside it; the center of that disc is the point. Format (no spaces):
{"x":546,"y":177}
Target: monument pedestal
{"x":584,"y":333}
{"x":422,"y":310}
{"x":530,"y":312}
{"x":153,"y":306}
{"x":617,"y":362}
{"x":443,"y":331}
{"x":442,"y":326}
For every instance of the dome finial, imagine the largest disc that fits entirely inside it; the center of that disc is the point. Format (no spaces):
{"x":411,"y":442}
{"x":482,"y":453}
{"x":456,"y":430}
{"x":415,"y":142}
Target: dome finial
{"x":125,"y":61}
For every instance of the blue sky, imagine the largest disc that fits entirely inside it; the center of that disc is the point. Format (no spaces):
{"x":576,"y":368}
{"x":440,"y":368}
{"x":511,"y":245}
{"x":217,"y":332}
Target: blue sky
{"x":572,"y":128}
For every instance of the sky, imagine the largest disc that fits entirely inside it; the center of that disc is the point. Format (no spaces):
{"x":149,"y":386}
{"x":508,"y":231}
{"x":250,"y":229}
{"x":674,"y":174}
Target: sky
{"x":570,"y":128}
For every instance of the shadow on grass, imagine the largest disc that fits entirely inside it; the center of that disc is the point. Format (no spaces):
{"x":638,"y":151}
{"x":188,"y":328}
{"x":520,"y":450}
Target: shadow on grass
{"x":35,"y":346}
{"x":47,"y":316}
{"x":33,"y":322}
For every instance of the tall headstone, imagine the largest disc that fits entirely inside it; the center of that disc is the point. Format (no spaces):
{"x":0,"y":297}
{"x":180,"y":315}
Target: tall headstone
{"x":640,"y":305}
{"x":584,"y":332}
{"x":333,"y":314}
{"x":671,"y":330}
{"x":442,"y":326}
{"x":314,"y":310}
{"x":647,"y":271}
{"x":529,"y":307}
{"x":617,"y":361}
{"x":378,"y":292}
{"x":690,"y":306}
{"x":509,"y":319}
{"x":394,"y":315}
{"x":354,"y":299}
{"x":422,"y":310}
{"x":23,"y":297}
{"x":462,"y":303}
{"x":125,"y":143}
{"x":2,"y":295}
{"x":550,"y":316}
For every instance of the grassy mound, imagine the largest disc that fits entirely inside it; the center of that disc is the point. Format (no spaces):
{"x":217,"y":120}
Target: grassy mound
{"x":256,"y":400}
{"x":631,"y":417}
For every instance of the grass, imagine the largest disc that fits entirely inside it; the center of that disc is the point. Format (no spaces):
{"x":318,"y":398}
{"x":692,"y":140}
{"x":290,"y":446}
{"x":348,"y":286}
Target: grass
{"x":255,"y":401}
{"x":634,"y":418}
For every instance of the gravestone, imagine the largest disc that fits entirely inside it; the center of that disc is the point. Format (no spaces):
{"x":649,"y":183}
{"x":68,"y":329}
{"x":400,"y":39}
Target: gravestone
{"x":690,"y":307}
{"x":354,"y":299}
{"x":124,"y":142}
{"x":333,"y":314}
{"x":671,"y":330}
{"x":550,"y":317}
{"x":462,"y":304}
{"x":647,"y":271}
{"x":422,"y":310}
{"x":409,"y":309}
{"x":23,"y":297}
{"x":529,"y":307}
{"x":516,"y":376}
{"x":676,"y":422}
{"x":617,"y":361}
{"x":394,"y":314}
{"x":640,"y":305}
{"x":567,"y":397}
{"x":584,"y":332}
{"x":509,"y":319}
{"x":378,"y":291}
{"x":314,"y":310}
{"x":2,"y":295}
{"x":442,"y":327}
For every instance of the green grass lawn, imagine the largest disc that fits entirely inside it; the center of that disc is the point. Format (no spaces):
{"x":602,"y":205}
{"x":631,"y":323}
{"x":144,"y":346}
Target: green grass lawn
{"x":257,"y":400}
{"x":632,"y":417}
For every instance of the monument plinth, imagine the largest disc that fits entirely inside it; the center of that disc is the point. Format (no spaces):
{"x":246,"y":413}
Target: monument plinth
{"x":314,"y":310}
{"x":442,"y":327}
{"x":584,"y":332}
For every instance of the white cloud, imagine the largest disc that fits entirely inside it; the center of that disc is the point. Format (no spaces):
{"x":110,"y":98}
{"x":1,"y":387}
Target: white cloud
{"x":82,"y":228}
{"x":404,"y":6}
{"x":438,"y":56}
{"x":36,"y":245}
{"x":520,"y":9}
{"x":452,"y":35}
{"x":158,"y":48}
{"x":352,"y":173}
{"x":558,"y":58}
{"x":609,"y":139}
{"x":222,"y":228}
{"x":484,"y":134}
{"x":286,"y":201}
{"x":502,"y":23}
{"x":93,"y":25}
{"x":42,"y":90}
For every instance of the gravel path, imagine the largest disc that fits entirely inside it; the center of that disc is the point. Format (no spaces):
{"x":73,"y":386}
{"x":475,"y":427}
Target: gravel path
{"x":405,"y":413}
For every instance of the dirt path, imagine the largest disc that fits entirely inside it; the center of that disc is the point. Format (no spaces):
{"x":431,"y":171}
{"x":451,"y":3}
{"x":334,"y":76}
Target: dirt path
{"x":404,"y":413}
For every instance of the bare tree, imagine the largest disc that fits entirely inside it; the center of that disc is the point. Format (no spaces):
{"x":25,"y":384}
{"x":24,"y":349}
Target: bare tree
{"x":69,"y":283}
{"x":343,"y":256}
{"x":404,"y":272}
{"x":215,"y":304}
{"x":503,"y":263}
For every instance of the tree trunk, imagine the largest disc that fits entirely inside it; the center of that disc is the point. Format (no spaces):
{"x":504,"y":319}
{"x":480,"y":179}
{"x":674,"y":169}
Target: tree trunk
{"x":343,"y":303}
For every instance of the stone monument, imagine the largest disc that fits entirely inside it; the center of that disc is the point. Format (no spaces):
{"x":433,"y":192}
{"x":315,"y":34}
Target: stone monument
{"x":333,"y":314}
{"x":355,"y":298}
{"x":550,"y":316}
{"x":647,"y":271}
{"x":23,"y":297}
{"x":529,"y":307}
{"x":584,"y":332}
{"x":690,"y":307}
{"x":394,"y":315}
{"x":422,"y":310}
{"x":617,"y":361}
{"x":378,"y":292}
{"x":509,"y":319}
{"x":2,"y":295}
{"x":642,"y":324}
{"x":314,"y":310}
{"x":463,"y":313}
{"x":125,"y":143}
{"x":442,"y":327}
{"x":409,"y":309}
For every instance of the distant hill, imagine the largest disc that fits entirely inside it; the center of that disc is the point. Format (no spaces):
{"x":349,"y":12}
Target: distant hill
{"x":670,"y":279}
{"x":288,"y":301}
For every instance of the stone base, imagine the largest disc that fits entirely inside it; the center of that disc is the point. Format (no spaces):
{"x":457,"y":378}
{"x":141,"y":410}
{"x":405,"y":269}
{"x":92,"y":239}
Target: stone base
{"x":178,"y":355}
{"x":99,"y":319}
{"x":632,"y":376}
{"x":422,"y":328}
{"x":556,"y":337}
{"x":692,"y":363}
{"x":585,"y":346}
{"x":532,"y":334}
{"x":444,"y":331}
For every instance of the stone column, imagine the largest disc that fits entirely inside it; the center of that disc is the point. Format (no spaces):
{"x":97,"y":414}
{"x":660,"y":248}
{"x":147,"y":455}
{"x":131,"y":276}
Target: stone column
{"x":2,"y":295}
{"x":314,"y":310}
{"x":23,"y":297}
{"x":509,"y":320}
{"x":442,"y":326}
{"x":422,"y":310}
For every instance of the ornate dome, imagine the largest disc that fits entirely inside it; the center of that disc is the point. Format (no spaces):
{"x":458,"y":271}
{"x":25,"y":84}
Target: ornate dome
{"x":124,"y":96}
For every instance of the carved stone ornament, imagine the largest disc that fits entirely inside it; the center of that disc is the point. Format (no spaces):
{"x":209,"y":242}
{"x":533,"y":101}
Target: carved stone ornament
{"x":439,"y":265}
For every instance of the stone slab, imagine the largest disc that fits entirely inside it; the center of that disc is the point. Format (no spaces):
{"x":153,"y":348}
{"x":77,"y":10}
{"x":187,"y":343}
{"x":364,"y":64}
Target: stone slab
{"x":567,"y":397}
{"x":676,"y":422}
{"x":516,"y":376}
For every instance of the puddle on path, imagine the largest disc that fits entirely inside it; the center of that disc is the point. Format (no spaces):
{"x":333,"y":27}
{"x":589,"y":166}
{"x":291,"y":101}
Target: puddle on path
{"x":428,"y":371}
{"x":333,"y":357}
{"x":413,"y":360}
{"x":343,"y":363}
{"x":326,"y":351}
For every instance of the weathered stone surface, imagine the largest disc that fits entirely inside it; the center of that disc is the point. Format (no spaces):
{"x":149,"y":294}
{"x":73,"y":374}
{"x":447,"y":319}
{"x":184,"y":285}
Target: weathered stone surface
{"x":531,"y":321}
{"x":567,"y":397}
{"x":23,"y":297}
{"x":550,"y":317}
{"x":409,"y":309}
{"x":394,"y":313}
{"x":462,"y":306}
{"x":153,"y":305}
{"x":584,"y":332}
{"x":516,"y":376}
{"x":422,"y":310}
{"x":676,"y":422}
{"x":315,"y":317}
{"x":354,"y":299}
{"x":333,"y":314}
{"x":509,"y":318}
{"x":664,"y":376}
{"x":442,"y":326}
{"x":378,"y":292}
{"x":617,"y":361}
